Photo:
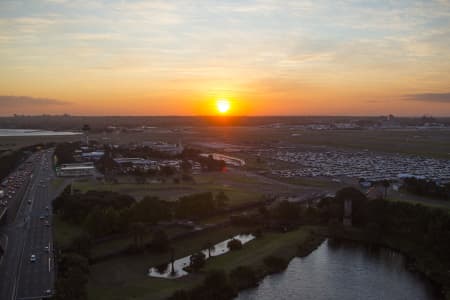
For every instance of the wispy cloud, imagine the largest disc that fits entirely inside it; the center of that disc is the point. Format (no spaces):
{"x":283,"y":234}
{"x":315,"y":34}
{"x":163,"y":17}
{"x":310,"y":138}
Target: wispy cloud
{"x":25,"y":100}
{"x":429,"y":97}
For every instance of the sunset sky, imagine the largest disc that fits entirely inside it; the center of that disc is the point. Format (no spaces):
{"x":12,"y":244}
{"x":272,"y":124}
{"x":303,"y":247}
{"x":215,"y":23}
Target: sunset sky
{"x":92,"y":57}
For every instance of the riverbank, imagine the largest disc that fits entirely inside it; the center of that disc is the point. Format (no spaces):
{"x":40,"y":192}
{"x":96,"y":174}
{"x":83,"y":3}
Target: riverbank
{"x":245,"y":268}
{"x":419,"y":259}
{"x":125,"y":277}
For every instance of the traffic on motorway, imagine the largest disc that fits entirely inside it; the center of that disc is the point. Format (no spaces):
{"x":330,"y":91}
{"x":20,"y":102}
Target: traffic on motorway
{"x":11,"y":185}
{"x":27,"y":268}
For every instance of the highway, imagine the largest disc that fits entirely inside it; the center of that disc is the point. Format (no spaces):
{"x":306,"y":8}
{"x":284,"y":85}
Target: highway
{"x":27,"y":234}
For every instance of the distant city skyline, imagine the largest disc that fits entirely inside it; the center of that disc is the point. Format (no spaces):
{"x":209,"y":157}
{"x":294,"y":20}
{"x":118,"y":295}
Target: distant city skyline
{"x":94,"y":57}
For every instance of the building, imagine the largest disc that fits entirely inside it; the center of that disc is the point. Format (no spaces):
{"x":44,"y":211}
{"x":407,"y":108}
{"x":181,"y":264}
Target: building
{"x":172,"y":149}
{"x":94,"y":155}
{"x":75,"y":170}
{"x":229,"y":160}
{"x":137,"y":163}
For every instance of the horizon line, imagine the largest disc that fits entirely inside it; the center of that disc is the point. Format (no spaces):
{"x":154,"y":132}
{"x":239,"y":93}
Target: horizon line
{"x":223,"y":116}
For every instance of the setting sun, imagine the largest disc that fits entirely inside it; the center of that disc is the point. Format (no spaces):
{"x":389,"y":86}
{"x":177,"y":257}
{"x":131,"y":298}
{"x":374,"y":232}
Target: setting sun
{"x":223,"y":105}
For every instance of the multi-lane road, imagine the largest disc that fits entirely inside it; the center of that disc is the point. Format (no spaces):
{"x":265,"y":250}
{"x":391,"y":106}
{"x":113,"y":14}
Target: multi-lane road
{"x":27,"y":234}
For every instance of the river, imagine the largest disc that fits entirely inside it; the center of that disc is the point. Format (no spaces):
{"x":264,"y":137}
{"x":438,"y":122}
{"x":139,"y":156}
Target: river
{"x":344,"y":270}
{"x":33,"y":132}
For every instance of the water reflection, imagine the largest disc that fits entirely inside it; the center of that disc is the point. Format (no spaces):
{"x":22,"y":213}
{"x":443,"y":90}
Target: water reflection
{"x":166,"y":270}
{"x":345,"y":270}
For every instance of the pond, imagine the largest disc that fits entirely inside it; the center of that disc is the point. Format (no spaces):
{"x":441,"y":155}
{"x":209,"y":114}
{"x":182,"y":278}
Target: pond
{"x":345,"y":270}
{"x":165,"y":271}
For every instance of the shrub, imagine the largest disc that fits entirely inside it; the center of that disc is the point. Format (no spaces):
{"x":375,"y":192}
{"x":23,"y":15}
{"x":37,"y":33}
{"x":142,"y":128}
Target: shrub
{"x":234,"y":244}
{"x":275,"y":264}
{"x":243,"y":277}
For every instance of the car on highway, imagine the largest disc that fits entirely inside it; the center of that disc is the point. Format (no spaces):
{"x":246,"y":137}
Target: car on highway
{"x":46,"y":249}
{"x":33,"y":258}
{"x":47,"y":224}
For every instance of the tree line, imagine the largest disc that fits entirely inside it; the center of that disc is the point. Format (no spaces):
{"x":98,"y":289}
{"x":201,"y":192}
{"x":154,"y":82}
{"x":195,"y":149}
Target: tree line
{"x":427,"y":188}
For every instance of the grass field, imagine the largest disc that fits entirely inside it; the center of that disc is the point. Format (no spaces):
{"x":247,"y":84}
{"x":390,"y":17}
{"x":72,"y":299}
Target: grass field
{"x":236,"y":188}
{"x":415,"y":199}
{"x":314,"y":182}
{"x":431,"y":142}
{"x":283,"y":245}
{"x":126,"y":277}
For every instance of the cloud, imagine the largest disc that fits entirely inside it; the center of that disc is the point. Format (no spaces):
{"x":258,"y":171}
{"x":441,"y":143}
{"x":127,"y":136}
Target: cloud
{"x":429,"y":97}
{"x":25,"y":100}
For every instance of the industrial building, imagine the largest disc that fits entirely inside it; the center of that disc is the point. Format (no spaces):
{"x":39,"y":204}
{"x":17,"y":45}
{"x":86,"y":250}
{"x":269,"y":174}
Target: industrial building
{"x":76,"y":170}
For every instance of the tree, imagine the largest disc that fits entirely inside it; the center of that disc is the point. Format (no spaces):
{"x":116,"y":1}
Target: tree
{"x":106,"y":164}
{"x":275,"y":264}
{"x":234,"y":244}
{"x":73,"y":271}
{"x":166,"y":171}
{"x":217,"y":285}
{"x":172,"y":260}
{"x":186,"y":166}
{"x":82,"y":245}
{"x":96,"y":223}
{"x":197,"y":261}
{"x":358,"y":200}
{"x":86,"y":128}
{"x":151,"y":210}
{"x":210,"y":247}
{"x":287,"y":213}
{"x":137,"y":230}
{"x":195,"y":206}
{"x":386,"y":185}
{"x":243,"y":277}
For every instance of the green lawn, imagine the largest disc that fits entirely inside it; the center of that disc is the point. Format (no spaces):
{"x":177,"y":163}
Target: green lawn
{"x":313,"y":182}
{"x":126,"y":277}
{"x":430,"y":143}
{"x":253,"y":253}
{"x":415,"y":199}
{"x":171,"y":191}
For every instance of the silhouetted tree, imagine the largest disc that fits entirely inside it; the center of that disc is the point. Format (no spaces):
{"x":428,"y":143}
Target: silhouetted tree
{"x":234,"y":244}
{"x":137,"y":229}
{"x":197,"y":261}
